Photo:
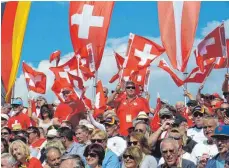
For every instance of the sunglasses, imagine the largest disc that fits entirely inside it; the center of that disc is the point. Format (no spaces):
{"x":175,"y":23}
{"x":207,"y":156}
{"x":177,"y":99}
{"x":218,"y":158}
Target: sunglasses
{"x":92,"y":155}
{"x":198,"y":114}
{"x":108,"y":125}
{"x":128,"y":156}
{"x":165,"y":117}
{"x":133,"y":142}
{"x":51,"y":138}
{"x":175,"y":138}
{"x":4,"y":119}
{"x":5,"y":133}
{"x":190,"y":105}
{"x":139,"y":130}
{"x":223,"y":109}
{"x":168,"y":151}
{"x":15,"y":106}
{"x":130,"y":87}
{"x":97,"y":140}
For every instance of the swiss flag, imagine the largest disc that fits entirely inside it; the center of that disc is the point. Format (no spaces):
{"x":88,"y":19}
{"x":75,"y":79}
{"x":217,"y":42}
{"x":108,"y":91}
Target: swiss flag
{"x":178,"y":29}
{"x":36,"y":81}
{"x":55,"y":56}
{"x":155,"y":122}
{"x":163,"y":65}
{"x":141,"y":77}
{"x":196,"y":76}
{"x":142,"y":52}
{"x":89,"y":22}
{"x":100,"y":101}
{"x":212,"y":46}
{"x":76,"y":81}
{"x":119,"y":62}
{"x":61,"y":72}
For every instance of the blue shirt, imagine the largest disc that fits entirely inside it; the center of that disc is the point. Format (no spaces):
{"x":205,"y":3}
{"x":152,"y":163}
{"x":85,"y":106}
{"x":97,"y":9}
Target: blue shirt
{"x":111,"y":160}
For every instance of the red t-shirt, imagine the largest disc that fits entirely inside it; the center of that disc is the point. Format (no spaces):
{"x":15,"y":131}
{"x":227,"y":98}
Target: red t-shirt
{"x":128,"y":110}
{"x":19,"y":120}
{"x":32,"y":163}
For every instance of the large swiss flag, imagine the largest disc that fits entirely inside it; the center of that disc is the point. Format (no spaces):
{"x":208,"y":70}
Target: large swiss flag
{"x":89,"y":22}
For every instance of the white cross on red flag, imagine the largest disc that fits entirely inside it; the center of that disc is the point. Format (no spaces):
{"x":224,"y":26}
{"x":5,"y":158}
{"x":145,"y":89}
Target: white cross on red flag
{"x":36,"y":81}
{"x":89,"y":22}
{"x":100,"y":101}
{"x":212,"y":46}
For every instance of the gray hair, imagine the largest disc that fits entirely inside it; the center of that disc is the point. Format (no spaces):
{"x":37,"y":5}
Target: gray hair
{"x":10,"y":160}
{"x":50,"y":149}
{"x":169,"y":140}
{"x":78,"y":161}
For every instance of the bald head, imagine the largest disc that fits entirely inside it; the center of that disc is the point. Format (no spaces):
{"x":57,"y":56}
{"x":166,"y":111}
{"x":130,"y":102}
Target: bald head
{"x":53,"y":155}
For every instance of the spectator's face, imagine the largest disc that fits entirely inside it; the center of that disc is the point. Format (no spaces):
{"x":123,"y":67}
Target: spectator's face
{"x":81,"y":136}
{"x":134,"y":142}
{"x":99,"y":140}
{"x":69,"y":163}
{"x":105,"y":91}
{"x":5,"y":110}
{"x":164,"y":118}
{"x":169,"y":153}
{"x":130,"y":90}
{"x":3,"y":122}
{"x":17,"y":108}
{"x":179,"y":108}
{"x":32,"y":136}
{"x":129,"y":161}
{"x":5,"y":164}
{"x":140,"y":128}
{"x":209,"y":127}
{"x":18,"y":152}
{"x":40,"y":102}
{"x":92,"y":159}
{"x":5,"y":134}
{"x":222,"y":143}
{"x":198,"y":119}
{"x":53,"y":159}
{"x":111,"y":129}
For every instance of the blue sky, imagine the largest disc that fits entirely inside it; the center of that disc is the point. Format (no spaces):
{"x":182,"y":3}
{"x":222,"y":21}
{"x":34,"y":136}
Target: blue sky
{"x":48,"y":30}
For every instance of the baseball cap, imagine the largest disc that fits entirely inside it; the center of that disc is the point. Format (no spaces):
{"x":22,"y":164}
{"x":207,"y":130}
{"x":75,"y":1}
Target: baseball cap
{"x":165,"y":111}
{"x":222,"y":130}
{"x":111,"y":120}
{"x":52,"y":133}
{"x":17,"y":102}
{"x":192,"y":103}
{"x":198,"y":109}
{"x":142,"y":115}
{"x":5,"y":116}
{"x":179,"y":119}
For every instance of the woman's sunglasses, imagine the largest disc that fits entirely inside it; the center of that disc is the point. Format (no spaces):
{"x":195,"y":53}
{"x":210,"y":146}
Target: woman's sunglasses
{"x":128,"y":156}
{"x":97,"y":140}
{"x":92,"y":155}
{"x":133,"y":142}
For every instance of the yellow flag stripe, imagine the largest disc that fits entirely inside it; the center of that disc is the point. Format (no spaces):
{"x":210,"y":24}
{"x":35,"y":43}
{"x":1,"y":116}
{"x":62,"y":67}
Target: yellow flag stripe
{"x":18,"y":36}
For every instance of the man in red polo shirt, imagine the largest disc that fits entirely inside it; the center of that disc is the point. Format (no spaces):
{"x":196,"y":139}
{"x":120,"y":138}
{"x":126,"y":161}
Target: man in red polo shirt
{"x":128,"y":107}
{"x":19,"y":120}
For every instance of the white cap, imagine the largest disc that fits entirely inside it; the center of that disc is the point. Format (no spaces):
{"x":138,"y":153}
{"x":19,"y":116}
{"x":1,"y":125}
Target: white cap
{"x":90,"y":126}
{"x":52,"y":133}
{"x":142,"y":114}
{"x":5,"y":116}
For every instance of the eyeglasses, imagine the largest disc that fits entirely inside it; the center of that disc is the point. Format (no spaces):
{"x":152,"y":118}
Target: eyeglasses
{"x":165,"y":117}
{"x":108,"y":125}
{"x":128,"y":156}
{"x":168,"y":151}
{"x":223,"y":109}
{"x":97,"y":140}
{"x":190,"y":105}
{"x":133,"y":142}
{"x":198,"y":114}
{"x":92,"y":155}
{"x":139,"y":130}
{"x":5,"y":133}
{"x":130,"y":87}
{"x":4,"y":119}
{"x":15,"y":106}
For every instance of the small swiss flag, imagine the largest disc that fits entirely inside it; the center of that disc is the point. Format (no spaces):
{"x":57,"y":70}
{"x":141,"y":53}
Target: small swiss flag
{"x":36,"y":81}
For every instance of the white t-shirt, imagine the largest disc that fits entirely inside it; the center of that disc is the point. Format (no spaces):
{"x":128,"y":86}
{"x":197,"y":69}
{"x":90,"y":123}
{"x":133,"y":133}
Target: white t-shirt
{"x":203,"y":148}
{"x":197,"y":134}
{"x":186,"y":156}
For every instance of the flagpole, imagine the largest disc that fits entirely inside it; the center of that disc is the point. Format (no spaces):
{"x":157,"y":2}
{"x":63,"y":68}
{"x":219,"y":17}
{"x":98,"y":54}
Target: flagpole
{"x":225,"y":45}
{"x":185,"y":86}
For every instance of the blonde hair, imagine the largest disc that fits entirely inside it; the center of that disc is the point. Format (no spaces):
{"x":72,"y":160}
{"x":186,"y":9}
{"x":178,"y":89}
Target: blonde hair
{"x":24,"y":146}
{"x":136,"y":153}
{"x":100,"y":133}
{"x":57,"y":144}
{"x":142,"y":141}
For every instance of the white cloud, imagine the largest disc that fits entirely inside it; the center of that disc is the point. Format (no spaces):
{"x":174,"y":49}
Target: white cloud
{"x":160,"y":81}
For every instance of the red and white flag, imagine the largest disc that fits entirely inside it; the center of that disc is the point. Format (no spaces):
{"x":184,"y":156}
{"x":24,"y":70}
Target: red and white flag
{"x":163,"y":65}
{"x":196,"y":76}
{"x":140,"y":77}
{"x":76,"y":81}
{"x":55,"y":56}
{"x":61,"y":72}
{"x":35,"y":81}
{"x":212,"y":46}
{"x":178,"y":29}
{"x":119,"y":62}
{"x":142,"y":52}
{"x":100,"y":101}
{"x":155,"y":122}
{"x":89,"y":22}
